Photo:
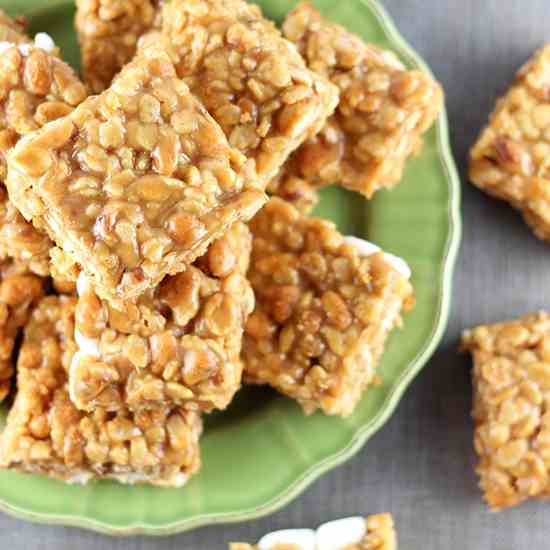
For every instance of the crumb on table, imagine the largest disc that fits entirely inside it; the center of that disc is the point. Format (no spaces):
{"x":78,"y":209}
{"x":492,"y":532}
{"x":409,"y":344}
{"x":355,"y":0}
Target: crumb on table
{"x":375,"y":532}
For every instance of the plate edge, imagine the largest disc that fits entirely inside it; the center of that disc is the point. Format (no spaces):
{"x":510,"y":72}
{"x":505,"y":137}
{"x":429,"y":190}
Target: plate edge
{"x":413,"y":368}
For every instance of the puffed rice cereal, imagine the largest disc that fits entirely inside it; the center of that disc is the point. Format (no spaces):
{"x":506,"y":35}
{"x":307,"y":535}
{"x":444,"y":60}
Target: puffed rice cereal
{"x":108,"y":33}
{"x":13,"y":29}
{"x":19,"y":292}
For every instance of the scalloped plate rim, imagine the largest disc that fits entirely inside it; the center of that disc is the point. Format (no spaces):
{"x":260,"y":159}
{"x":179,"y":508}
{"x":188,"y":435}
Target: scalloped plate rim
{"x":363,"y":434}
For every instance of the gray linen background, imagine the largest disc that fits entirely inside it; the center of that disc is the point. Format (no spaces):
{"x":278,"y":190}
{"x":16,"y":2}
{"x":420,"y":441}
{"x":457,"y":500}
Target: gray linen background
{"x":419,"y":466}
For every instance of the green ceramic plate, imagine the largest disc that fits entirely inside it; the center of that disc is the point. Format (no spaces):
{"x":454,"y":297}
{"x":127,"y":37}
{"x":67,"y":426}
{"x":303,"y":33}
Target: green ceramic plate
{"x":263,"y":452}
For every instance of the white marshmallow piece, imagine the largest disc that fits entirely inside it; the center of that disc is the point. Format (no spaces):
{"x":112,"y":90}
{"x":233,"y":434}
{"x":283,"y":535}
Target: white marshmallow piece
{"x":82,"y":284}
{"x":25,"y":49}
{"x":44,"y":41}
{"x":86,"y":346}
{"x":366,"y":248}
{"x":340,"y":533}
{"x":6,"y":46}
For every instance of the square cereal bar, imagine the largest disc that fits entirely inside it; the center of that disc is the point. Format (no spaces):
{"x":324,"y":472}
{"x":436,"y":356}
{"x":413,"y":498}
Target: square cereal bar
{"x":35,"y":88}
{"x":383,"y":111}
{"x":511,"y":379}
{"x":510,"y":160}
{"x":325,"y":305}
{"x":179,"y":344}
{"x":19,"y":291}
{"x":376,"y":532}
{"x":108,"y":32}
{"x":134,"y":183}
{"x":252,"y":81}
{"x":46,"y":434}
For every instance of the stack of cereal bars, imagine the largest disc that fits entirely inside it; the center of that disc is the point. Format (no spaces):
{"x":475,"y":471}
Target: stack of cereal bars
{"x":143,"y":267}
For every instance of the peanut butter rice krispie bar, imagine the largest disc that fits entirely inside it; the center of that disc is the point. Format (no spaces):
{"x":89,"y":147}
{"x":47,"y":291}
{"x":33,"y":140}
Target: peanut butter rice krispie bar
{"x":35,"y":88}
{"x":45,"y":433}
{"x":376,"y":532}
{"x":178,"y":345}
{"x":108,"y":32}
{"x":383,"y":111}
{"x":510,"y":160}
{"x":325,"y":305}
{"x":511,"y":379}
{"x":134,"y":183}
{"x":19,"y":292}
{"x":252,"y":81}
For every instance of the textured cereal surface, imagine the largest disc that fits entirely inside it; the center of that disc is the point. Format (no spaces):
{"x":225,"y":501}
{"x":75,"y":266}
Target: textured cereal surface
{"x":178,"y":345}
{"x":46,"y":434}
{"x":322,"y":312}
{"x":510,"y":160}
{"x":64,"y":271}
{"x":19,"y":291}
{"x":252,"y":81}
{"x":301,"y":192}
{"x":511,"y":379}
{"x":12,"y":29}
{"x":383,"y":111}
{"x":380,"y":535}
{"x":35,"y":88}
{"x":108,"y":32}
{"x":134,"y":183}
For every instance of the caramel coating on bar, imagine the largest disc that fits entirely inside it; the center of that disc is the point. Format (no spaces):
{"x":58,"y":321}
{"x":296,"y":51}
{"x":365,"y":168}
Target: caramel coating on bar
{"x":510,"y":159}
{"x":252,"y":81}
{"x":322,"y":312}
{"x":19,"y":291}
{"x":380,"y":535}
{"x":511,"y":379}
{"x":134,"y":183}
{"x":108,"y":33}
{"x":35,"y":88}
{"x":178,"y":345}
{"x":46,"y":434}
{"x":383,"y":111}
